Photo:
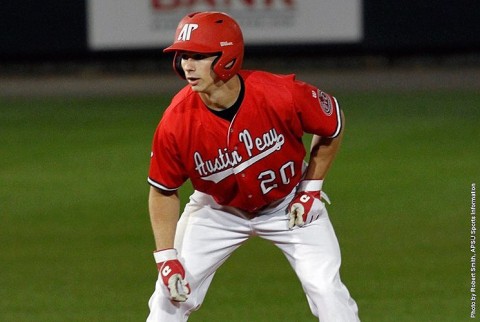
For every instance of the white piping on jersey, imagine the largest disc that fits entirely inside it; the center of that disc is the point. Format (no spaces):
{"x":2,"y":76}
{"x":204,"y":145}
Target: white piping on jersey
{"x":339,"y":119}
{"x":219,"y":176}
{"x":159,"y":186}
{"x":230,"y":129}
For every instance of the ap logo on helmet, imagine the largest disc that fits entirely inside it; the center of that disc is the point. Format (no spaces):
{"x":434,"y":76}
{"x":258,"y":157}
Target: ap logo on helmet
{"x":186,"y":32}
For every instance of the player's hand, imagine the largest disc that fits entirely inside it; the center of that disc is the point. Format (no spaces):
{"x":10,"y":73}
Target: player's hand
{"x":173,"y":274}
{"x":306,"y":206}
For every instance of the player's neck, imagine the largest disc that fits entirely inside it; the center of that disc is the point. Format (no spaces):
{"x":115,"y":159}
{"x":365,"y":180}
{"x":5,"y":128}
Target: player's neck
{"x":223,"y":96}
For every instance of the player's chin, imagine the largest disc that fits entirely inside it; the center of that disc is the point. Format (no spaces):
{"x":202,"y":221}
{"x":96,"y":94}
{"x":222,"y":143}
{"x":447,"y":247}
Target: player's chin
{"x":196,"y":88}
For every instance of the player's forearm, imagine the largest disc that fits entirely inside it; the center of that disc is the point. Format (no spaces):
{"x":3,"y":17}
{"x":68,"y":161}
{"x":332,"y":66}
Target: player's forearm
{"x":164,"y":212}
{"x":322,"y":154}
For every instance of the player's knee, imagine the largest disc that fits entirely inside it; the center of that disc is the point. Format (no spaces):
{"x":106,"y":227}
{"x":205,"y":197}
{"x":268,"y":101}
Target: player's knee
{"x":323,"y":290}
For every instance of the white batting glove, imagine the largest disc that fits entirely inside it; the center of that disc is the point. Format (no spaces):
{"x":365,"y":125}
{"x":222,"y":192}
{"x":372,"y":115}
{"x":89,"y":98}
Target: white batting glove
{"x":173,"y":274}
{"x":306,"y":206}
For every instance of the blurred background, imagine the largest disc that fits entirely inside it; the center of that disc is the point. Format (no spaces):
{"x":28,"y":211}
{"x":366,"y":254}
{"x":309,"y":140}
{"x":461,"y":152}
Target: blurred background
{"x":83,"y":41}
{"x":83,"y":84}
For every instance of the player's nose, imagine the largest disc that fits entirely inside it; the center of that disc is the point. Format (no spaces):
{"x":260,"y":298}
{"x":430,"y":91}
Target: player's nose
{"x":188,"y":64}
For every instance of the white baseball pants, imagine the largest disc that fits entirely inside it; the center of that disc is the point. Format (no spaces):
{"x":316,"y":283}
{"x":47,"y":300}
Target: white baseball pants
{"x":208,"y":233}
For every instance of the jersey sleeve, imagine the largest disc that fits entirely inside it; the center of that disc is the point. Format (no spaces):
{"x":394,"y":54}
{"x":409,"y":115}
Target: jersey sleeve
{"x":166,"y":171}
{"x":319,"y":112}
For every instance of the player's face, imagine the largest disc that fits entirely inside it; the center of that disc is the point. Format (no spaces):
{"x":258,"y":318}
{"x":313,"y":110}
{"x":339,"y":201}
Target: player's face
{"x":198,"y":71}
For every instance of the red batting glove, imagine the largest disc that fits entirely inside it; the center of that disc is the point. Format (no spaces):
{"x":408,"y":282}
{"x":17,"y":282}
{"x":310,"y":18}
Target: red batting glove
{"x":306,"y":206}
{"x":172,"y":273}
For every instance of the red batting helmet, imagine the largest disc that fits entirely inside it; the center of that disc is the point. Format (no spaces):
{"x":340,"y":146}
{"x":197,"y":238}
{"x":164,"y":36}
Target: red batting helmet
{"x":210,"y":33}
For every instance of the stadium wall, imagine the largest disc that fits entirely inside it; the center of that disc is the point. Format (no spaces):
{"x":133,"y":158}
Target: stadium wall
{"x":50,"y":29}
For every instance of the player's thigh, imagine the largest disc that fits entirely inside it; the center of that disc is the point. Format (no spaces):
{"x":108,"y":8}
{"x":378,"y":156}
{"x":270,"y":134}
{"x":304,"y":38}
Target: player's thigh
{"x":206,"y":236}
{"x":310,"y":248}
{"x":316,"y":252}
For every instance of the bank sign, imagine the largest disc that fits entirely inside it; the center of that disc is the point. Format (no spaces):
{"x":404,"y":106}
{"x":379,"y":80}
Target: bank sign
{"x":144,"y":24}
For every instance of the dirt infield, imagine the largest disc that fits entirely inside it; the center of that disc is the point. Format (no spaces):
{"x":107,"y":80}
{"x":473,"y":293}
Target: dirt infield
{"x":332,"y":80}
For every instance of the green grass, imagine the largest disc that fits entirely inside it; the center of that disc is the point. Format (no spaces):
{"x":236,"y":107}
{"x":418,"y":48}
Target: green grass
{"x":75,"y":240}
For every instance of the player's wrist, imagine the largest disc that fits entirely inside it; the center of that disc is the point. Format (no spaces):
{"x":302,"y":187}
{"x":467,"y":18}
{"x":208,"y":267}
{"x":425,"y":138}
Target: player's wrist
{"x":163,"y":255}
{"x":310,"y":185}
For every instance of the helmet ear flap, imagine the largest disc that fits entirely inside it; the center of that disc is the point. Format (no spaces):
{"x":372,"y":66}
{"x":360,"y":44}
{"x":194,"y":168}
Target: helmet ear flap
{"x":230,"y":64}
{"x":227,"y":67}
{"x":216,"y":67}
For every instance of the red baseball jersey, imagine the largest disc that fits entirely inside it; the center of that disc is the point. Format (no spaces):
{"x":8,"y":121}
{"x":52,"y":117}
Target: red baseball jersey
{"x":253,"y":160}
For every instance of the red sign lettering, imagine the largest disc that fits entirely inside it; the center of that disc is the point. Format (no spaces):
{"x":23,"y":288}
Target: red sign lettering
{"x":164,"y":5}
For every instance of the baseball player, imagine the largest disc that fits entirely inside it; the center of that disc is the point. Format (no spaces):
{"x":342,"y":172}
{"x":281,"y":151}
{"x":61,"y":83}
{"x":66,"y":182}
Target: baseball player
{"x":237,"y":135}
